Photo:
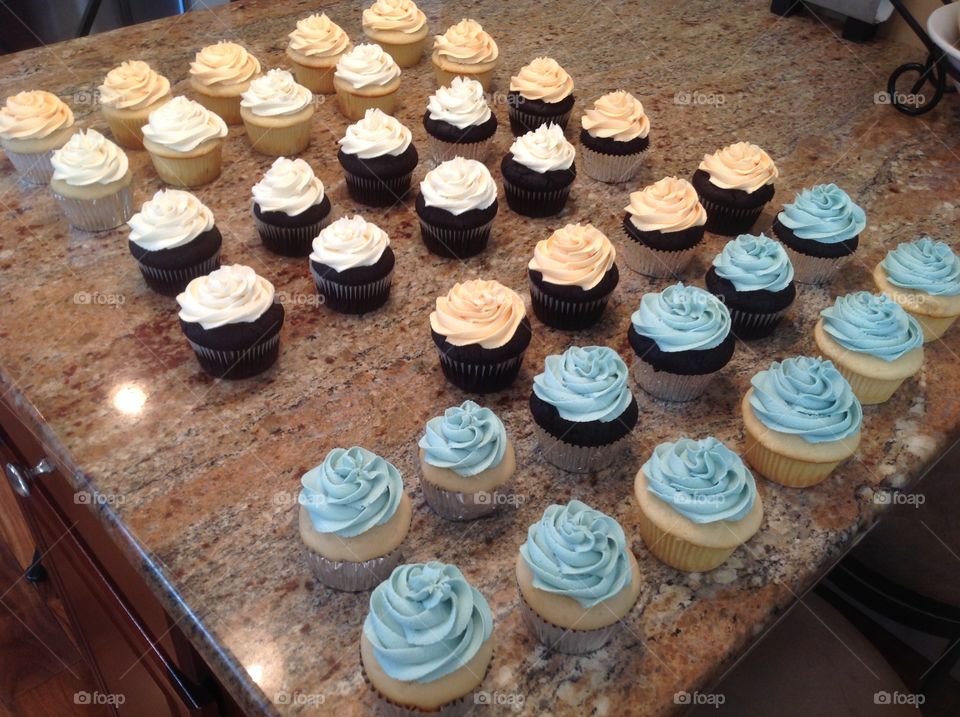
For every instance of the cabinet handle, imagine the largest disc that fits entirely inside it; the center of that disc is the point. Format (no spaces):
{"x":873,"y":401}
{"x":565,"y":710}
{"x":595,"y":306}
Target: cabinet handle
{"x":20,"y":477}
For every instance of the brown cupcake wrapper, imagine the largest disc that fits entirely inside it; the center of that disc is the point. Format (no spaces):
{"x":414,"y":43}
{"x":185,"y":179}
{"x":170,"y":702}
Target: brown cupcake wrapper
{"x":345,"y":296}
{"x":569,"y":641}
{"x":480,"y":377}
{"x":353,"y":577}
{"x":32,"y":168}
{"x":564,"y":311}
{"x":460,"y":243}
{"x":290,"y":241}
{"x":754,"y":325}
{"x":240,"y":363}
{"x":656,"y":262}
{"x":168,"y":278}
{"x":452,"y":505}
{"x":669,"y":386}
{"x":814,"y":269}
{"x":610,"y":168}
{"x":439,"y":151}
{"x":578,"y":459}
{"x":523,"y":122}
{"x":730,"y":221}
{"x":97,"y":215}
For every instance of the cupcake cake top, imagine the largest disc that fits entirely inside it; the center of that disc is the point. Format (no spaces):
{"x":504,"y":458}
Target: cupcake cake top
{"x":466,"y":43}
{"x":275,"y":94}
{"x":478,"y":311}
{"x":289,"y":186}
{"x":667,"y":205}
{"x":586,"y":383}
{"x":753,"y":263}
{"x":170,"y":219}
{"x":807,"y":397}
{"x":459,"y":185}
{"x":366,"y":65}
{"x":89,"y":158}
{"x":349,"y":242}
{"x":182,"y":125}
{"x":133,"y":85}
{"x":578,"y":552}
{"x":576,"y":255}
{"x":461,"y":103}
{"x":824,"y":213}
{"x":924,"y":265}
{"x":376,"y":135}
{"x":352,"y":491}
{"x":232,"y":294}
{"x":33,"y":114}
{"x":543,"y":79}
{"x":426,"y":621}
{"x":872,"y":324}
{"x":742,"y":166}
{"x":682,"y":318}
{"x":544,"y":149}
{"x":617,"y":115}
{"x":466,"y":439}
{"x":394,"y":15}
{"x":225,"y":63}
{"x":702,"y":480}
{"x":318,"y":36}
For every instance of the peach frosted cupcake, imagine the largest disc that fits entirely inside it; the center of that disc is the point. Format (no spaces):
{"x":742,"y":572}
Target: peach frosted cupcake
{"x":735,"y":183}
{"x":465,"y":50}
{"x":220,"y":74}
{"x":129,"y":93}
{"x":315,"y":47}
{"x":399,"y":27}
{"x":32,"y":125}
{"x":366,"y":78}
{"x":185,"y":142}
{"x":614,"y":134}
{"x":278,"y":114}
{"x":541,"y":93}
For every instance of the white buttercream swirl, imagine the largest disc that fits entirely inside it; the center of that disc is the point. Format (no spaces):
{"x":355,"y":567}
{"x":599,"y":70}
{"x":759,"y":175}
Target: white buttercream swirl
{"x":461,"y":103}
{"x":33,"y":114}
{"x":276,"y":93}
{"x":395,"y":16}
{"x":133,"y":85}
{"x":225,"y":63}
{"x":89,"y":158}
{"x":466,"y":43}
{"x":576,"y":255}
{"x":232,"y":294}
{"x":459,"y":185}
{"x":375,"y":135}
{"x":289,"y":186}
{"x":318,"y":36}
{"x":367,"y":65}
{"x":741,"y":166}
{"x":543,"y":79}
{"x":171,"y":219}
{"x":182,"y":125}
{"x":478,"y":311}
{"x":349,"y":242}
{"x":617,"y":115}
{"x":544,"y":149}
{"x":667,"y":205}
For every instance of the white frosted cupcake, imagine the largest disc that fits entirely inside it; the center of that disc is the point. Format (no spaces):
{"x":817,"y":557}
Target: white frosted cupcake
{"x":378,"y":158}
{"x":32,"y":125}
{"x":457,"y":205}
{"x":278,"y":114}
{"x":221,"y":73}
{"x":663,"y":226}
{"x":459,"y":122}
{"x":614,"y":134}
{"x":366,"y":77}
{"x":465,"y":50}
{"x":129,"y":93}
{"x":538,"y":172}
{"x":290,"y":207}
{"x":315,"y":47}
{"x":399,"y":27}
{"x":185,"y":142}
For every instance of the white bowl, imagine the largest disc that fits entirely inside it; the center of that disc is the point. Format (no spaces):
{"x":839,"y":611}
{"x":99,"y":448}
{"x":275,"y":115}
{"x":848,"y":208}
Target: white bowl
{"x":943,"y":28}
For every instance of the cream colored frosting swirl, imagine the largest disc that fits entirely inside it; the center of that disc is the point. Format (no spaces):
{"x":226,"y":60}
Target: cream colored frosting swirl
{"x":275,"y":93}
{"x":375,"y":135}
{"x":395,"y":16}
{"x":367,"y":65}
{"x":466,"y":42}
{"x":740,"y":166}
{"x":576,"y":255}
{"x":478,"y":311}
{"x":225,"y":63}
{"x":289,"y":186}
{"x":33,"y":114}
{"x":171,"y":219}
{"x":182,"y":125}
{"x":617,"y":115}
{"x":133,"y":85}
{"x":667,"y":205}
{"x":319,"y":36}
{"x":89,"y":158}
{"x":544,"y":149}
{"x":543,"y":79}
{"x":461,"y":103}
{"x":232,"y":294}
{"x":349,"y":242}
{"x":459,"y":185}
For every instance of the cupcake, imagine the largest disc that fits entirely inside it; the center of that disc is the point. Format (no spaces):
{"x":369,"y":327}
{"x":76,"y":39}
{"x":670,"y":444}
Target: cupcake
{"x":481,"y":331}
{"x":185,"y":142}
{"x":459,"y":122}
{"x":290,"y":207}
{"x":924,"y":278}
{"x":614,"y":135}
{"x":456,"y":205}
{"x":466,"y":461}
{"x":663,"y":225}
{"x":399,"y":27}
{"x":352,"y":265}
{"x":314,"y":49}
{"x":698,"y":503}
{"x":802,"y":420}
{"x":174,"y":240}
{"x":572,"y":274}
{"x":354,"y":515}
{"x":378,"y":159}
{"x":577,"y":578}
{"x":128,"y":95}
{"x":582,"y":408}
{"x":427,"y":642}
{"x":219,"y":75}
{"x":820,"y":230}
{"x":734,"y":184}
{"x":231,"y":320}
{"x":541,"y":93}
{"x":538,"y":172}
{"x":277,"y":114}
{"x":872,"y":341}
{"x":32,"y":125}
{"x":465,"y":50}
{"x":92,"y":182}
{"x":366,"y":77}
{"x":682,"y":340}
{"x":753,"y":276}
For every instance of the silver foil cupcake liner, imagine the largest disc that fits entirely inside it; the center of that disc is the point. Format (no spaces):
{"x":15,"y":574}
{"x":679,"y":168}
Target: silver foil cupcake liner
{"x":182,"y":275}
{"x":451,"y":505}
{"x":750,"y":324}
{"x":566,"y":640}
{"x":610,"y":168}
{"x":354,"y":577}
{"x":480,"y":377}
{"x":655,"y":262}
{"x":290,"y":241}
{"x":528,"y":122}
{"x":97,"y":215}
{"x":814,"y":269}
{"x":32,"y":168}
{"x":578,"y":459}
{"x":457,"y":241}
{"x":439,"y":151}
{"x":669,"y":386}
{"x":333,"y":291}
{"x":577,"y":313}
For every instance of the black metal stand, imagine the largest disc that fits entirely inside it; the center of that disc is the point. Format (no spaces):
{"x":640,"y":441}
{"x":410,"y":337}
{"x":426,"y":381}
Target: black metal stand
{"x":933,"y":72}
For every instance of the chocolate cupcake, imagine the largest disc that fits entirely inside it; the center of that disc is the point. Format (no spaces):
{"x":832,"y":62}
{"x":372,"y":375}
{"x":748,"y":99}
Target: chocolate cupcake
{"x":541,"y":93}
{"x":352,"y":265}
{"x":459,"y":122}
{"x":538,"y":172}
{"x":378,"y":158}
{"x":614,"y":135}
{"x":734,"y":184}
{"x":290,"y":207}
{"x":456,"y":205}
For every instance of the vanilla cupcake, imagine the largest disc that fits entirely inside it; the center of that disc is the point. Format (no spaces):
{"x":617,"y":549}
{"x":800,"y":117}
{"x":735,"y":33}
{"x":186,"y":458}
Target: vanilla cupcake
{"x":314,"y":49}
{"x":378,"y":158}
{"x":290,"y":207}
{"x":32,"y":125}
{"x":734,"y":184}
{"x":456,"y":206}
{"x":185,"y":142}
{"x":459,"y":122}
{"x":538,"y":172}
{"x":366,"y":77}
{"x":219,"y":75}
{"x":92,"y":182}
{"x":465,"y":50}
{"x":128,"y":95}
{"x":614,"y":134}
{"x":278,"y":114}
{"x":541,"y":93}
{"x":399,"y":27}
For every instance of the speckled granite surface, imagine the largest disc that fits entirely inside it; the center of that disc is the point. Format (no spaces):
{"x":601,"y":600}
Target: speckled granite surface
{"x":201,"y":483}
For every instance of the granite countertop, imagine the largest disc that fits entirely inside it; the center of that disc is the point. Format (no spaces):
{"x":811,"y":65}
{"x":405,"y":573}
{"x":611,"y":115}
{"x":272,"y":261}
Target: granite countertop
{"x":199,"y":485}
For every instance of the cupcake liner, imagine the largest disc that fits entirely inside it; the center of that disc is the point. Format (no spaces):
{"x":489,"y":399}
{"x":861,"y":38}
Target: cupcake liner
{"x":480,"y":377}
{"x":452,"y":505}
{"x":533,"y":203}
{"x":289,"y":241}
{"x":870,"y":391}
{"x":445,"y":77}
{"x":439,"y":151}
{"x":32,"y":168}
{"x":353,"y":298}
{"x":97,"y":215}
{"x":189,"y":171}
{"x":669,"y":386}
{"x":578,"y":459}
{"x":730,"y":221}
{"x":171,"y":282}
{"x":610,"y":168}
{"x":566,"y":314}
{"x":377,"y":192}
{"x":523,"y":122}
{"x":455,"y":243}
{"x":318,"y":80}
{"x":933,"y":326}
{"x":747,"y":326}
{"x":814,"y":269}
{"x":569,"y":641}
{"x":242,"y":363}
{"x":786,"y":471}
{"x":354,"y":107}
{"x":678,"y":553}
{"x":279,"y":141}
{"x":353,"y":577}
{"x":656,"y":262}
{"x":228,"y":108}
{"x":405,"y":54}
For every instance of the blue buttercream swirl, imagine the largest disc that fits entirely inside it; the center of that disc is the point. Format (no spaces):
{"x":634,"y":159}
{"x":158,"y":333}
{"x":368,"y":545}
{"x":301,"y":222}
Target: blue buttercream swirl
{"x":426,"y":621}
{"x":807,"y":397}
{"x":352,"y":491}
{"x":579,"y":552}
{"x":924,"y":265}
{"x":702,"y":480}
{"x":872,"y":324}
{"x":824,"y":213}
{"x":754,"y":262}
{"x":586,"y":383}
{"x":682,"y":318}
{"x":467,"y":439}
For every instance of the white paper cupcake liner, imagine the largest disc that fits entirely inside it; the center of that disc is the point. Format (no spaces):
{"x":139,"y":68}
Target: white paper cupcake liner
{"x":610,"y":168}
{"x":655,"y":262}
{"x":182,"y":275}
{"x":456,"y":240}
{"x":669,"y":386}
{"x":350,"y":293}
{"x":578,"y":459}
{"x":439,"y":151}
{"x":530,"y":122}
{"x":32,"y":168}
{"x":814,"y":269}
{"x":97,"y":215}
{"x":572,"y":311}
{"x":291,"y":239}
{"x":486,"y":376}
{"x":451,"y":505}
{"x":353,"y":577}
{"x":750,"y":323}
{"x":569,"y":641}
